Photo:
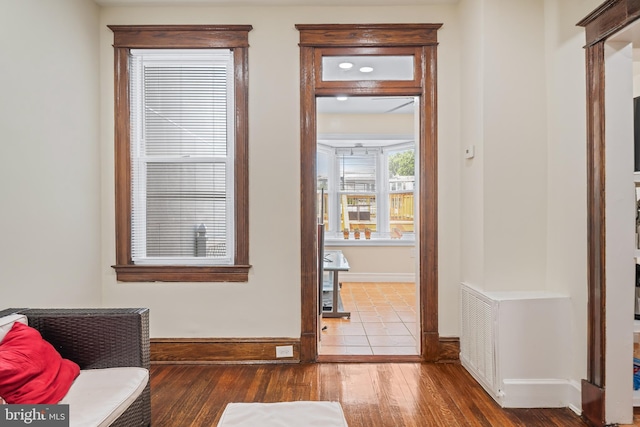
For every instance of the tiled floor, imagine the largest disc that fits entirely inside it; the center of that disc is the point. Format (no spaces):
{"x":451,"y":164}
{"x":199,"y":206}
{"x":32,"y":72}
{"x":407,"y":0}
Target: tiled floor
{"x":383,"y":321}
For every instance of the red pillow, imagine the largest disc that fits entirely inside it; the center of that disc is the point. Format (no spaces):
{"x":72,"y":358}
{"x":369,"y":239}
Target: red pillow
{"x":31,"y":370}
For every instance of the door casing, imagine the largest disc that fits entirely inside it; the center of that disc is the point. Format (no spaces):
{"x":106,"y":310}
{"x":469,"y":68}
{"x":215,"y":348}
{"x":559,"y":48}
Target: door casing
{"x":371,"y":39}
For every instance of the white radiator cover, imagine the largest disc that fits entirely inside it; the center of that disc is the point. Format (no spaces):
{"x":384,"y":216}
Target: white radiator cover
{"x":517,"y":346}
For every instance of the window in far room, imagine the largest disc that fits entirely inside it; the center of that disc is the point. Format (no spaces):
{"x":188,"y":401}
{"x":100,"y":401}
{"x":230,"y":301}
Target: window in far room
{"x":181,"y":153}
{"x":367,"y":189}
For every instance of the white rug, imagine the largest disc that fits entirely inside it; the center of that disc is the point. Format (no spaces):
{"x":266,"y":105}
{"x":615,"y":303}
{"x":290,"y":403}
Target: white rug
{"x":283,"y":414}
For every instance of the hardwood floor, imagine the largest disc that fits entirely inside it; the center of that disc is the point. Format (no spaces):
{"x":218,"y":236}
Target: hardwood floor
{"x":371,"y":395}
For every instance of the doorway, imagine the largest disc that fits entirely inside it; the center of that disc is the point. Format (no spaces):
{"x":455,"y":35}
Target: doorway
{"x":611,"y":32}
{"x":409,"y":43}
{"x":367,"y":199}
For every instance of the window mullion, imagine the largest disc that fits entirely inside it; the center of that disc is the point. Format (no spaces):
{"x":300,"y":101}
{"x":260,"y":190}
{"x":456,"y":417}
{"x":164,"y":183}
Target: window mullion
{"x":334,"y":191}
{"x":382,"y":194}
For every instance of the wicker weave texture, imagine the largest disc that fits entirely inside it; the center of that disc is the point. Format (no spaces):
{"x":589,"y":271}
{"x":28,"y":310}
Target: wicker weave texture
{"x":99,"y":338}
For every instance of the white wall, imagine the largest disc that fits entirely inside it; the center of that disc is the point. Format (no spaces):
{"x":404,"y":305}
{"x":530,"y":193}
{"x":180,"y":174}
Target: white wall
{"x":472,"y":136}
{"x":49,"y":166}
{"x":620,"y":240}
{"x":636,"y":74}
{"x":390,"y":124}
{"x":567,"y":167}
{"x":269,"y":304}
{"x":515,"y":151}
{"x":385,"y":261}
{"x":504,"y":194}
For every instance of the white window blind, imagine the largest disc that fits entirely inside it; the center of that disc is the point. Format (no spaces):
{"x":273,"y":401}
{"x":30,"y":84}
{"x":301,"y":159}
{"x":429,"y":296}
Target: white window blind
{"x":182,"y":156}
{"x":358,"y":172}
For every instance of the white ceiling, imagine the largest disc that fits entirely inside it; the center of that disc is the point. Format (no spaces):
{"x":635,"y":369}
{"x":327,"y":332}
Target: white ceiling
{"x":366,"y":105}
{"x":272,"y":2}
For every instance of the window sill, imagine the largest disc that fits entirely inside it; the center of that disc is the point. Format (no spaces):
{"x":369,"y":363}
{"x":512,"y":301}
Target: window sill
{"x":182,"y":273}
{"x":371,"y":242}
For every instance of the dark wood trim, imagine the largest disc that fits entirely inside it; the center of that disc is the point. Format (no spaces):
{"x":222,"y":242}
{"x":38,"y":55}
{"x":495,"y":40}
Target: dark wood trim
{"x":593,"y":404}
{"x":372,"y":86}
{"x":429,"y":207}
{"x":308,"y":221}
{"x":369,"y":359}
{"x":182,"y":273}
{"x":449,"y":350}
{"x":610,"y":17}
{"x":313,"y":37}
{"x":122,"y":159}
{"x":382,"y":89}
{"x":180,"y":36}
{"x":221,"y":350}
{"x":262,"y":350}
{"x":241,"y":178}
{"x":596,"y":237}
{"x":606,"y":20}
{"x":596,"y":232}
{"x":368,"y":34}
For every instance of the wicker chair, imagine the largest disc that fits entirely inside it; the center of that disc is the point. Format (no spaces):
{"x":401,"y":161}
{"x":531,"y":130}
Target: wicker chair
{"x":99,"y":338}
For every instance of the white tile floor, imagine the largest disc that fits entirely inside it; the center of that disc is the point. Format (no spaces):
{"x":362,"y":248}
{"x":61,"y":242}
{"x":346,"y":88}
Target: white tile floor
{"x":383,"y":321}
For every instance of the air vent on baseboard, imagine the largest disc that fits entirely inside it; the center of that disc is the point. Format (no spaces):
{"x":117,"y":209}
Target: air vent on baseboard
{"x":477,"y":344}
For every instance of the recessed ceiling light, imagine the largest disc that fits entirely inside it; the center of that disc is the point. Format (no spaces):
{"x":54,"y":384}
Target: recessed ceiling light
{"x":341,"y":98}
{"x":345,"y":65}
{"x":366,"y":69}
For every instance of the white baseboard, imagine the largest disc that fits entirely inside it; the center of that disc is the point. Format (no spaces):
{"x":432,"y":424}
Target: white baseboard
{"x":377,"y":277}
{"x":545,"y":393}
{"x":528,"y":393}
{"x":575,"y":396}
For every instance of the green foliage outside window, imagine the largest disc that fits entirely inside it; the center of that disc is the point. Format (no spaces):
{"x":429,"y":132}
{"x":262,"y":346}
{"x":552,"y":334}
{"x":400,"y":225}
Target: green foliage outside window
{"x":402,"y":163}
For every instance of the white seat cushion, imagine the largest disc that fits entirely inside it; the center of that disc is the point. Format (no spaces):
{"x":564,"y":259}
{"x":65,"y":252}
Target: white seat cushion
{"x":99,"y":396}
{"x":6,"y":323}
{"x":283,"y":414}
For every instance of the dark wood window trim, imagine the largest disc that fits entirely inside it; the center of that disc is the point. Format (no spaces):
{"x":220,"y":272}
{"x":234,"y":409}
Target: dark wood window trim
{"x":128,"y":37}
{"x":421,"y":39}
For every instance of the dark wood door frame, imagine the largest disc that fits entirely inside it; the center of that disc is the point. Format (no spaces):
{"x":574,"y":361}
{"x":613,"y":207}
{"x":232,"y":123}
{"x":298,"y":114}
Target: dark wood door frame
{"x":422,"y":38}
{"x":611,"y":17}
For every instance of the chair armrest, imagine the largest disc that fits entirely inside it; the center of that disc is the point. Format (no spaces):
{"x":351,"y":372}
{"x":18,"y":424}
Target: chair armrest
{"x":95,"y":337}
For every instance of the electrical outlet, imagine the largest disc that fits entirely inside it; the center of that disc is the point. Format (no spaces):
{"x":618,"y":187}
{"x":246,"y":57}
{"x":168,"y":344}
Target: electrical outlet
{"x":284,"y":351}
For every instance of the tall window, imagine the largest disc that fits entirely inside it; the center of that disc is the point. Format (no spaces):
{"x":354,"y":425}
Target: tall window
{"x":181,"y":153}
{"x":368,"y":189}
{"x":181,"y":147}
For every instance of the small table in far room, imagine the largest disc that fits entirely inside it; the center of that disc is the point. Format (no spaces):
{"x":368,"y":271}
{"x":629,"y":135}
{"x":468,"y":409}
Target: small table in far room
{"x":334,"y":262}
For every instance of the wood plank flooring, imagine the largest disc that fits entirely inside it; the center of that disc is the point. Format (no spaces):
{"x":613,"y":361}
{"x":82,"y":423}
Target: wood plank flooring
{"x":371,"y":394}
